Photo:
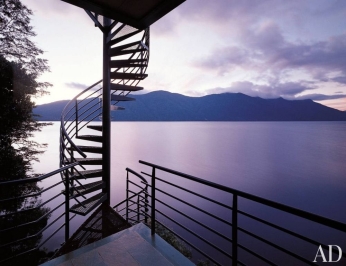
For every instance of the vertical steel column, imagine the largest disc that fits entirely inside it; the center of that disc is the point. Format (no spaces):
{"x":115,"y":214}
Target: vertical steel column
{"x":153,"y":207}
{"x":235,"y":230}
{"x":106,"y":114}
{"x":67,"y":206}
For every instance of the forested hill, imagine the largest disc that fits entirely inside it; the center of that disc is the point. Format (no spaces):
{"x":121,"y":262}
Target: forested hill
{"x":166,"y":106}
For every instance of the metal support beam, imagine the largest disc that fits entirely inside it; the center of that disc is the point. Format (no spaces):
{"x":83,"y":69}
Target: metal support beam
{"x":106,"y":114}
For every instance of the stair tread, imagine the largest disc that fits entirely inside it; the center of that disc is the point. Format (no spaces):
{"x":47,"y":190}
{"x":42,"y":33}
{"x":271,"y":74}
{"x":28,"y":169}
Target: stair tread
{"x":87,"y":174}
{"x":125,"y":87}
{"x":89,"y":204}
{"x":85,"y":161}
{"x":121,"y":98}
{"x":92,"y":149}
{"x":87,"y":188}
{"x":136,"y":76}
{"x":95,"y":127}
{"x":116,"y":52}
{"x":90,"y":138}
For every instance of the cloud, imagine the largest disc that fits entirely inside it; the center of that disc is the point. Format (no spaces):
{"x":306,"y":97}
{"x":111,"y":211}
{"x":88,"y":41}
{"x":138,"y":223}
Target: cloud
{"x":284,"y":90}
{"x":319,"y":97}
{"x":264,"y":49}
{"x":76,"y":85}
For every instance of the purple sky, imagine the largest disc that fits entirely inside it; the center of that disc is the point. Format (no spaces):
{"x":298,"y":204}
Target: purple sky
{"x":292,"y":49}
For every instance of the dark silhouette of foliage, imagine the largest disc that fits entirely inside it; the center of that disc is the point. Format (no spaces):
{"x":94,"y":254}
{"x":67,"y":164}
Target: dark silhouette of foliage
{"x":15,"y":34}
{"x":20,"y":67}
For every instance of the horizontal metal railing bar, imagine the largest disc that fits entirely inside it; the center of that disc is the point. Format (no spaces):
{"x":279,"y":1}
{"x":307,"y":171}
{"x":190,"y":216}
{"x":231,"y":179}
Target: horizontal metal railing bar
{"x":32,"y":222}
{"x":122,"y":202}
{"x":133,"y":183}
{"x":31,"y":209}
{"x":136,"y":193}
{"x":80,"y":106}
{"x":194,"y":207}
{"x":311,"y":241}
{"x":187,"y":242}
{"x":195,"y":234}
{"x":36,"y":179}
{"x":304,"y":214}
{"x":136,"y":203}
{"x":17,"y":255}
{"x":93,"y":105}
{"x":31,"y":236}
{"x":131,"y":218}
{"x":57,"y":230}
{"x":31,"y":195}
{"x":197,"y":222}
{"x":71,"y":142}
{"x":136,"y":174}
{"x":71,"y":120}
{"x":275,"y":246}
{"x":257,"y":255}
{"x":197,"y":194}
{"x":88,"y":121}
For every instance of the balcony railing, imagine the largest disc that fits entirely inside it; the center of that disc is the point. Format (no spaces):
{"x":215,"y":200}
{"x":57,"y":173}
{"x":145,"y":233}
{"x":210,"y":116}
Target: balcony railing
{"x":229,"y":226}
{"x":33,"y":226}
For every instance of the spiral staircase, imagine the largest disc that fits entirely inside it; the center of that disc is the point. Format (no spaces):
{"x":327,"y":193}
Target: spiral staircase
{"x":127,"y":52}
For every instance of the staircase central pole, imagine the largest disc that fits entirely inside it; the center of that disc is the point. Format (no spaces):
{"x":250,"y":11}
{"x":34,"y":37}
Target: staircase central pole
{"x":106,"y":114}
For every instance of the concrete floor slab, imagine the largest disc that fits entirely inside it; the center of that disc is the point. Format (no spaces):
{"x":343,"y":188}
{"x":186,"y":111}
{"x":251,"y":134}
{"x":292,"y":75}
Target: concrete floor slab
{"x":132,"y":247}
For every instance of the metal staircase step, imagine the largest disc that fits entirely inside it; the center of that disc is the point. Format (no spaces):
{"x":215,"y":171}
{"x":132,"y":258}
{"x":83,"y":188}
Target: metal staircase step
{"x":135,"y":76}
{"x":121,"y":98}
{"x":116,"y":52}
{"x":85,"y":161}
{"x":90,"y":149}
{"x":90,"y":138}
{"x":85,"y":189}
{"x":87,"y":174}
{"x":124,"y":37}
{"x":89,"y":204}
{"x":125,"y":87}
{"x":128,"y":63}
{"x":135,"y":44}
{"x":98,"y":128}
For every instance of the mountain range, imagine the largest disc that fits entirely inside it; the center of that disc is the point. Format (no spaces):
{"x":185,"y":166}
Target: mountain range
{"x":166,"y":106}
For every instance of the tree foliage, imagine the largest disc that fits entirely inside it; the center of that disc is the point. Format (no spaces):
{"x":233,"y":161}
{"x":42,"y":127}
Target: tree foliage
{"x":20,"y":68}
{"x":15,"y":37}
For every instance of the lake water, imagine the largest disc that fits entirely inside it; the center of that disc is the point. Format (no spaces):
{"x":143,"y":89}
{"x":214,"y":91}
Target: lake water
{"x":302,"y":164}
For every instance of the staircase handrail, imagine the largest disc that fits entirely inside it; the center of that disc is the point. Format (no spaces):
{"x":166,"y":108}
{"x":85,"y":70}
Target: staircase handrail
{"x":39,"y":178}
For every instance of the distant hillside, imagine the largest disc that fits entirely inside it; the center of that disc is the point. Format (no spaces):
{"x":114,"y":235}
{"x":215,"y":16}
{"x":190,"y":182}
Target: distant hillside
{"x":166,"y":106}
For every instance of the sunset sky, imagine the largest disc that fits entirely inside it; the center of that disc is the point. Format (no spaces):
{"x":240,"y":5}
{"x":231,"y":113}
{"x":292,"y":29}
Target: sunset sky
{"x":292,"y":49}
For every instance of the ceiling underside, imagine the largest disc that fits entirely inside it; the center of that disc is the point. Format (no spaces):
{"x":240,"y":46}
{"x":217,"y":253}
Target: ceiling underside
{"x":136,"y":13}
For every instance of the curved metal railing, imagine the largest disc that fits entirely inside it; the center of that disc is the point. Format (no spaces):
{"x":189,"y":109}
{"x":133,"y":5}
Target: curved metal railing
{"x":86,"y":107}
{"x":136,"y":201}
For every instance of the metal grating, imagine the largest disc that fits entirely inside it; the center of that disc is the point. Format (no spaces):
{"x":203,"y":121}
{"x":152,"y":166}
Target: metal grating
{"x":89,"y":204}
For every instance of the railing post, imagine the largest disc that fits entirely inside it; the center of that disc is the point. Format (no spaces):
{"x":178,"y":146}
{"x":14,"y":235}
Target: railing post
{"x":146,"y":205}
{"x":153,"y":218}
{"x":138,"y":218}
{"x":127,"y":196}
{"x":235,"y":230}
{"x":76,"y":104}
{"x":67,"y":206}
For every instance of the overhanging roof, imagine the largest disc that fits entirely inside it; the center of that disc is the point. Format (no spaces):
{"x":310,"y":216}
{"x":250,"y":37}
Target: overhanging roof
{"x":136,"y":13}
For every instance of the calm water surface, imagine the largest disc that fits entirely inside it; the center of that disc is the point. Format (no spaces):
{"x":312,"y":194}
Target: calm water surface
{"x":301,"y":164}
